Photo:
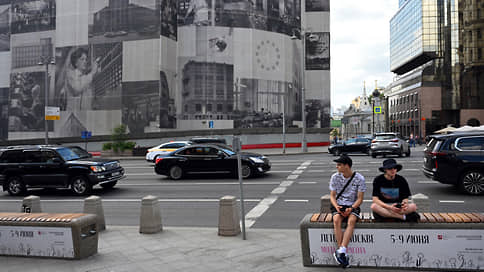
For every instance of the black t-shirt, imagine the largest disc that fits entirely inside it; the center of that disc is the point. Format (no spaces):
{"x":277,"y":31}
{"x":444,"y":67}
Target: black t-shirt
{"x":391,"y":191}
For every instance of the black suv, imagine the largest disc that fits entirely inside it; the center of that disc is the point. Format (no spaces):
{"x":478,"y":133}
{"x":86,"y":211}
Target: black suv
{"x":457,"y":159}
{"x":55,"y":167}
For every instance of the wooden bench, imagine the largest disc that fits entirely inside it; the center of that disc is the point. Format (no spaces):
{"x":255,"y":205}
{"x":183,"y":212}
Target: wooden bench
{"x":443,"y":241}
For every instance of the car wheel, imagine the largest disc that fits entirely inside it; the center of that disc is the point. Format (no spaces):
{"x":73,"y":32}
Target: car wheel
{"x":15,"y":186}
{"x":373,"y":155}
{"x":400,"y":154}
{"x":367,"y":151}
{"x":408,"y":152}
{"x":80,"y":185}
{"x":246,"y":171}
{"x":337,"y":152}
{"x":176,"y":172}
{"x":472,"y":182}
{"x":109,"y":185}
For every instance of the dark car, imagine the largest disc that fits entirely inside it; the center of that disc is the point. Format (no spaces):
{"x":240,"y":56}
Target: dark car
{"x":207,"y":140}
{"x":355,"y":145}
{"x":209,"y":158}
{"x":456,"y":159}
{"x":55,"y":167}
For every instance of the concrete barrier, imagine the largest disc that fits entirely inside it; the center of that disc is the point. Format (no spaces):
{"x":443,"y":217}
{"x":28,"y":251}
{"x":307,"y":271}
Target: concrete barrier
{"x":228,"y":219}
{"x":93,"y":205}
{"x":325,"y":204}
{"x":422,"y":202}
{"x":150,"y":219}
{"x":31,"y":204}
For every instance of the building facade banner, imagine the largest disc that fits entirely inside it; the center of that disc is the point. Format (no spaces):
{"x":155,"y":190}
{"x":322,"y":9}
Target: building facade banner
{"x":36,"y":241}
{"x":413,"y":248}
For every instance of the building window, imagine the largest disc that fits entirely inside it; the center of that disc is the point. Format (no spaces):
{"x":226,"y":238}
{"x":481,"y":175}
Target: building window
{"x":198,"y":107}
{"x":220,"y":107}
{"x":479,"y":34}
{"x":479,"y":53}
{"x":209,"y":107}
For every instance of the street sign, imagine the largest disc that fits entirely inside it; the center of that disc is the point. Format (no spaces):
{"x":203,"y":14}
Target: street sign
{"x":52,"y":113}
{"x":210,"y":124}
{"x":86,"y":134}
{"x":377,"y":109}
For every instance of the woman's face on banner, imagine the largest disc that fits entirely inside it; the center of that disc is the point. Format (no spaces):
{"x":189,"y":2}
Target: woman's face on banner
{"x":81,"y":62}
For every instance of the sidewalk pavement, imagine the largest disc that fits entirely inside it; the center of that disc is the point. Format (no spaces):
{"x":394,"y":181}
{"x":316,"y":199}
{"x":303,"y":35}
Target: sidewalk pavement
{"x":124,"y":249}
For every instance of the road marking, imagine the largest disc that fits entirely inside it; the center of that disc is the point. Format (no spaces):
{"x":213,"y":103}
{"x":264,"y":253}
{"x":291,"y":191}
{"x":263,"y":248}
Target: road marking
{"x":427,"y":182}
{"x":301,"y":167}
{"x":452,"y":201}
{"x":256,"y":212}
{"x":281,"y":171}
{"x":197,"y":183}
{"x":137,"y":200}
{"x":367,"y":200}
{"x":410,"y":169}
{"x":297,"y":200}
{"x":307,"y":182}
{"x":138,"y":167}
{"x":298,"y":172}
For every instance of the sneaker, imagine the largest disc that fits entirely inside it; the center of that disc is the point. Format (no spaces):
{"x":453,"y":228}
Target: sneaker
{"x":342,"y":259}
{"x":412,"y":217}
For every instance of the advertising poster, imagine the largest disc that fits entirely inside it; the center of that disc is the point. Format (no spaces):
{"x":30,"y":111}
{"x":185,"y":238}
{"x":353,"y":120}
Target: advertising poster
{"x":412,"y":248}
{"x":33,"y":16}
{"x":317,"y":51}
{"x":4,"y":27}
{"x":317,"y":5}
{"x":36,"y":241}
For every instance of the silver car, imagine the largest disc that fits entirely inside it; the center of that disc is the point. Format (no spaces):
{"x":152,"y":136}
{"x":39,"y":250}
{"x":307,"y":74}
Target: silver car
{"x":389,"y":143}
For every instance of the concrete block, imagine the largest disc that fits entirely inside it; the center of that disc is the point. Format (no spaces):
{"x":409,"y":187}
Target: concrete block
{"x":93,"y":205}
{"x":228,"y":218}
{"x":31,"y":204}
{"x":325,"y":204}
{"x":150,"y":219}
{"x":422,"y":201}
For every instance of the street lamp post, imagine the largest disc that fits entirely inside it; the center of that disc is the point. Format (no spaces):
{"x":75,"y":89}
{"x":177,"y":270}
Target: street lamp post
{"x":375,"y":94}
{"x":304,"y":147}
{"x":283,"y":123}
{"x":46,"y":60}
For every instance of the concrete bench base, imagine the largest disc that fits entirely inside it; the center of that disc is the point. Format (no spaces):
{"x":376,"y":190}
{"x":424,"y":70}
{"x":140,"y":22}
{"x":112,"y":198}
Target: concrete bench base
{"x":452,"y":242}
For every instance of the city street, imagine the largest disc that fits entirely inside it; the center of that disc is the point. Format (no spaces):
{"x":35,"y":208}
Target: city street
{"x":279,"y":199}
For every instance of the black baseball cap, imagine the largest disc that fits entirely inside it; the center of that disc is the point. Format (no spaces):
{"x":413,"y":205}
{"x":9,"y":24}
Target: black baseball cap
{"x":344,"y":159}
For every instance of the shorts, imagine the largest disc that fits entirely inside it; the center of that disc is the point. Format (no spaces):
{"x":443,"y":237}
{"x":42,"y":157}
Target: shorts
{"x":356,"y":211}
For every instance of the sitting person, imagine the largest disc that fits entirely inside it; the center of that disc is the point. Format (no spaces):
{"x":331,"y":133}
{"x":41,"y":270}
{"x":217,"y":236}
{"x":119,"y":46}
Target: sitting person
{"x":391,"y":193}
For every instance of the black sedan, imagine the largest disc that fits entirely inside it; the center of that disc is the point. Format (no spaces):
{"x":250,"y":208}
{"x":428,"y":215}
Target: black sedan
{"x":209,"y":158}
{"x":355,"y":145}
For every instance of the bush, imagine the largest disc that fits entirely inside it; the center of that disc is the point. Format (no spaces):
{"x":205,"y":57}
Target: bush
{"x":107,"y":146}
{"x":119,"y":138}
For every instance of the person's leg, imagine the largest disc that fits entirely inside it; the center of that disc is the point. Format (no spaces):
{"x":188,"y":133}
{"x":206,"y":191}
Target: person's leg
{"x":338,"y":233}
{"x":350,"y":226}
{"x":385,"y":212}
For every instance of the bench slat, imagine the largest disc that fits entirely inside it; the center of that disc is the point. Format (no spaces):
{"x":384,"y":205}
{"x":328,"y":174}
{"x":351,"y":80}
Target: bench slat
{"x":315,"y":217}
{"x":323,"y":216}
{"x":429,"y":217}
{"x":447,"y":218}
{"x":423,"y":219}
{"x":329,"y":218}
{"x":455,"y":217}
{"x":438,"y":217}
{"x":474,"y":218}
{"x":480,"y":216}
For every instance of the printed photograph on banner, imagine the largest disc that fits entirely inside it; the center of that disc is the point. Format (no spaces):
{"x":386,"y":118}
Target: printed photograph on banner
{"x":87,"y":78}
{"x":195,"y":12}
{"x":207,"y":91}
{"x":4,"y":113}
{"x":123,"y":20}
{"x":141,"y":106}
{"x":317,"y":113}
{"x":317,"y":5}
{"x":26,"y":101}
{"x":167,"y":117}
{"x":32,"y":16}
{"x":262,"y":103}
{"x":168,"y":18}
{"x":317,"y":51}
{"x":4,"y":27}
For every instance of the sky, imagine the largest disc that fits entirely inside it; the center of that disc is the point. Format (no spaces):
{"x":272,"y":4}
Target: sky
{"x":360,"y":50}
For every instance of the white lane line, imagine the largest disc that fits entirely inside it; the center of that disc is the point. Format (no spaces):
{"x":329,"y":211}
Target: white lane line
{"x":272,"y":171}
{"x":139,"y":167}
{"x":452,"y":201}
{"x":265,"y":204}
{"x":411,"y":169}
{"x":297,"y":200}
{"x":196,"y":183}
{"x":367,"y":200}
{"x":301,"y":167}
{"x":427,"y":182}
{"x":307,"y":182}
{"x":137,"y":200}
{"x":297,"y":172}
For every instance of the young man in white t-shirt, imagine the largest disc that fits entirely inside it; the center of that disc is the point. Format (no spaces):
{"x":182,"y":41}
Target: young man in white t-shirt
{"x":345,"y":204}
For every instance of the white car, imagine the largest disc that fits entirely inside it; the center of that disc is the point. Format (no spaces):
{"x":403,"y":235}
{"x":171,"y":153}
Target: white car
{"x":163,"y":149}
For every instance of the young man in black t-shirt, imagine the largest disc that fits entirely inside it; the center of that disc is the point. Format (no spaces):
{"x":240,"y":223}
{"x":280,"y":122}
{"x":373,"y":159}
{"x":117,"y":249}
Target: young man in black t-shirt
{"x":391,"y":193}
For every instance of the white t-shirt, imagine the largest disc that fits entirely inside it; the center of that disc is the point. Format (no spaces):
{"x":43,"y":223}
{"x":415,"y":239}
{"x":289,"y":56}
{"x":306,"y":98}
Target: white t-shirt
{"x":349,"y":196}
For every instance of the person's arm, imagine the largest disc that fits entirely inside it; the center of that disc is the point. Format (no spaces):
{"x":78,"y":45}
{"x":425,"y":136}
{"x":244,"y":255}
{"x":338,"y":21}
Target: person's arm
{"x":77,"y":83}
{"x":334,"y":202}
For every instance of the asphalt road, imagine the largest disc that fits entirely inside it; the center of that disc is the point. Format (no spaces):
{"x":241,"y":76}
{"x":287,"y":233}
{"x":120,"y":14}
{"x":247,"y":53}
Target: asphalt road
{"x":280,"y":199}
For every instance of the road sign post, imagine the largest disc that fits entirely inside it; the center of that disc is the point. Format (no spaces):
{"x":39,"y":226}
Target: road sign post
{"x":237,"y":146}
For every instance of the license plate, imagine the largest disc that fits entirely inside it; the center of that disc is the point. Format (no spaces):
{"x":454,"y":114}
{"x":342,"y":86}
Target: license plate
{"x":115,"y":174}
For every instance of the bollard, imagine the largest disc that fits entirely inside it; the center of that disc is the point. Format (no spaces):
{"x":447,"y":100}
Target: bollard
{"x":228,"y":217}
{"x":422,"y":202}
{"x":31,"y":204}
{"x":150,"y":219}
{"x":93,"y":205}
{"x":325,"y":204}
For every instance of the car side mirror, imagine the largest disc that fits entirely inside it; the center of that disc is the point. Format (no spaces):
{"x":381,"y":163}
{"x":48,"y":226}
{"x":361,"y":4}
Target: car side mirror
{"x":221,"y":155}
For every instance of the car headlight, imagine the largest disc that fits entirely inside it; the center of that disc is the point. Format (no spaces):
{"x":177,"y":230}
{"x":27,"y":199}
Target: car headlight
{"x":256,"y":160}
{"x":97,"y":168}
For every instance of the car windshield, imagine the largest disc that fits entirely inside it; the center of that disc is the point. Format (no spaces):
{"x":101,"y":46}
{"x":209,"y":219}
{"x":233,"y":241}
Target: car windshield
{"x":80,"y":152}
{"x":385,"y":137}
{"x":67,"y":154}
{"x":228,"y":151}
